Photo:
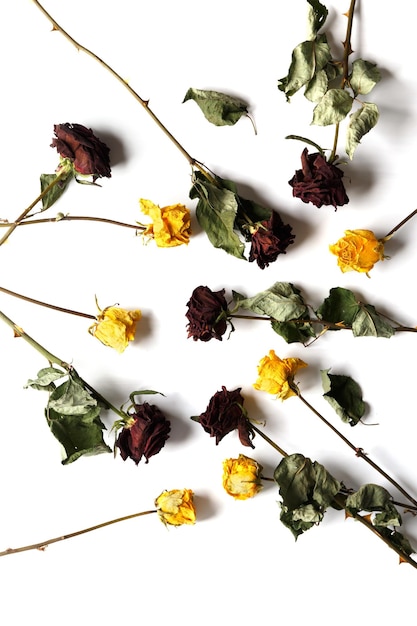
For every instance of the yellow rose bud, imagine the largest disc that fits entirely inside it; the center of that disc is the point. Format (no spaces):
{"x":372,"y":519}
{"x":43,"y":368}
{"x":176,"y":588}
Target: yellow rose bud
{"x":171,"y":225}
{"x":276,"y":375}
{"x":115,"y":327}
{"x":241,"y":477}
{"x":358,"y":251}
{"x":176,"y":507}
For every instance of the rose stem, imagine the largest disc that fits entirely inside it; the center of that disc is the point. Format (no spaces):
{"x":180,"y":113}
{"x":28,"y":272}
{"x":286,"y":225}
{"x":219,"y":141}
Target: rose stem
{"x":44,"y":544}
{"x":358,"y":451}
{"x":34,"y":203}
{"x":54,"y":359}
{"x":347,"y":51}
{"x":45,"y":304}
{"x":144,"y":103}
{"x":340,"y":501}
{"x":398,"y":226}
{"x":70,"y":218}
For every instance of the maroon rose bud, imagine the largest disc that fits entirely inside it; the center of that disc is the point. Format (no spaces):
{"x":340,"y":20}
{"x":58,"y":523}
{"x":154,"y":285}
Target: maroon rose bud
{"x":89,"y":155}
{"x":271,"y":238}
{"x":207,"y":314}
{"x":225,"y":413}
{"x":146,"y":435}
{"x":318,"y":181}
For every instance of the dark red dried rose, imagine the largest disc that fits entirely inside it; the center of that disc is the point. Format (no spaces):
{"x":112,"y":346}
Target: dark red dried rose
{"x":207,"y":314}
{"x":147,"y":434}
{"x":225,"y":413}
{"x":270,"y":239}
{"x":77,"y":143}
{"x":318,"y":181}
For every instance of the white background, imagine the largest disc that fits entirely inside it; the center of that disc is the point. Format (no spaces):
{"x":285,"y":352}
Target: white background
{"x":238,"y":562}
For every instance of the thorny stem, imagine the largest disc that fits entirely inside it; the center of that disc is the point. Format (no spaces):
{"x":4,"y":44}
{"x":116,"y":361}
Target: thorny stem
{"x":19,"y":332}
{"x":73,"y":218}
{"x":347,"y":51}
{"x":44,"y":544}
{"x":45,"y":304}
{"x":47,"y":189}
{"x":358,"y":451}
{"x":144,"y":103}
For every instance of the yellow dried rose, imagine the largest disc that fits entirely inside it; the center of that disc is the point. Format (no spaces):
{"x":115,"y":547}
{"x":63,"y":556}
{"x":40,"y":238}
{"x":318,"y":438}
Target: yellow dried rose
{"x":358,"y":251}
{"x":176,"y":507}
{"x":115,"y":327}
{"x":171,"y":225}
{"x":241,"y":477}
{"x":276,"y":375}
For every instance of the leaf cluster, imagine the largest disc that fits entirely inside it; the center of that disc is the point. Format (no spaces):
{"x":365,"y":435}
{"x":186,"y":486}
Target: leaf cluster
{"x":72,"y":413}
{"x":330,"y":84}
{"x":224,"y":215}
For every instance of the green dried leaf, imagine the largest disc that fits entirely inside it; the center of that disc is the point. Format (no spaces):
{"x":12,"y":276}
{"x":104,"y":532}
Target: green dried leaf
{"x":308,"y":58}
{"x":71,"y":398}
{"x":252,"y":210}
{"x":56,"y":191}
{"x":45,"y":379}
{"x":332,"y":108}
{"x":368,"y":323}
{"x":344,"y":395}
{"x":374,"y":498}
{"x":219,"y":108}
{"x":360,"y":123}
{"x":364,"y":76}
{"x":340,"y":307}
{"x":216,"y":213}
{"x":316,"y":17}
{"x":307,"y":490}
{"x":397,"y":539}
{"x":79,"y":436}
{"x":317,"y":86}
{"x":282,"y":302}
{"x":294,"y":332}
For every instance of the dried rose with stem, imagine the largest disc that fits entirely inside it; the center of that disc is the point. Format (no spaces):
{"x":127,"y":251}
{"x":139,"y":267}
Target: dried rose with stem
{"x":174,"y":508}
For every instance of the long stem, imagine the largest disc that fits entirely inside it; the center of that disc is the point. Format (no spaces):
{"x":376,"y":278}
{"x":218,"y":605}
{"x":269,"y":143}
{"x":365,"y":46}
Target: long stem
{"x":44,"y":544}
{"x":398,"y":226}
{"x":45,"y":304}
{"x":270,"y":441}
{"x":72,"y":218}
{"x":144,"y":103}
{"x":358,"y":451}
{"x":47,"y":189}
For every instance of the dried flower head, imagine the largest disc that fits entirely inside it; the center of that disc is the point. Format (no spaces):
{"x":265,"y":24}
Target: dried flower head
{"x":115,"y":327}
{"x":242,"y":477}
{"x":358,"y":251}
{"x":271,"y":238}
{"x":88,"y":154}
{"x":171,"y":225}
{"x":225,"y":412}
{"x":318,"y":181}
{"x":176,"y":507}
{"x":276,"y":375}
{"x":145,"y":434}
{"x":207,"y":314}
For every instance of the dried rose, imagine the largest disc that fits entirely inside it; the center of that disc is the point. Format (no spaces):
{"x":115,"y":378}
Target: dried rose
{"x":171,"y":224}
{"x":207,"y":314}
{"x":358,"y":251}
{"x":276,"y":375}
{"x":89,"y":155}
{"x":318,"y":181}
{"x":115,"y":327}
{"x":176,"y":507}
{"x":225,"y":412}
{"x":271,"y":238}
{"x":242,"y":477}
{"x":145,"y":434}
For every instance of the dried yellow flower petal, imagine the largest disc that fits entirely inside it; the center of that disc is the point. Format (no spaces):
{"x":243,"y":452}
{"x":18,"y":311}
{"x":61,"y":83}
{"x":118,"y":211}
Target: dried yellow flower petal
{"x":171,"y":224}
{"x":276,"y":375}
{"x":241,"y":477}
{"x":358,"y":251}
{"x":115,"y":327}
{"x":176,"y":507}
